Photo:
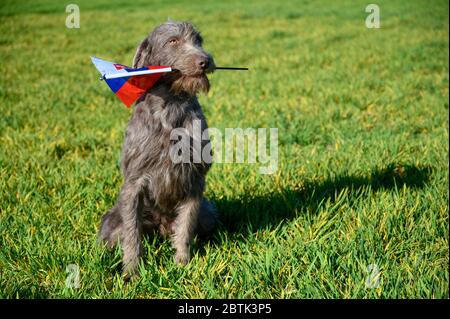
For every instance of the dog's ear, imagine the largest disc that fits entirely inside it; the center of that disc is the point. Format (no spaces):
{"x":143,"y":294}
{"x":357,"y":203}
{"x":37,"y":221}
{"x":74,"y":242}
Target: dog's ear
{"x":143,"y":50}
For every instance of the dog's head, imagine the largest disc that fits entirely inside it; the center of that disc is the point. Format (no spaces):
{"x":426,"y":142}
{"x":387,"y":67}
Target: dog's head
{"x":178,"y":45}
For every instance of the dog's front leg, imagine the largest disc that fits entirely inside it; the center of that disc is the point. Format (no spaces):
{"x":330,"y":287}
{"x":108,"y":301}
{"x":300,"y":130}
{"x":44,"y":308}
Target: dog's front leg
{"x":185,"y":223}
{"x":130,"y":203}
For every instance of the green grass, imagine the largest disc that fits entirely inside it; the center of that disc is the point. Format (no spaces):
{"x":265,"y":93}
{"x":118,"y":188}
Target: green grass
{"x":363,"y":167}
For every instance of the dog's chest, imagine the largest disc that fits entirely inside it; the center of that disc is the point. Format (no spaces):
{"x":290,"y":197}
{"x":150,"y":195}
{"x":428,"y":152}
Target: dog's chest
{"x":180,"y":168}
{"x":152,"y":145}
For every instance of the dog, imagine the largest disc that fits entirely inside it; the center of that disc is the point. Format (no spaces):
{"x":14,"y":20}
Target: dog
{"x":159,"y":195}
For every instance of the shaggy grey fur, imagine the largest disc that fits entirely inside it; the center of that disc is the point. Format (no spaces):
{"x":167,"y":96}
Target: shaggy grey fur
{"x":158,"y":194}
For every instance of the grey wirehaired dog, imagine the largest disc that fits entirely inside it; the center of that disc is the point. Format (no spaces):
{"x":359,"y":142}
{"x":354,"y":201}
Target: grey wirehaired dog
{"x":159,"y":194}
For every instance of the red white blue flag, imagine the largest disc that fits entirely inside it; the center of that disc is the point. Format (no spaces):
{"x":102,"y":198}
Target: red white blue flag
{"x":129,"y":84}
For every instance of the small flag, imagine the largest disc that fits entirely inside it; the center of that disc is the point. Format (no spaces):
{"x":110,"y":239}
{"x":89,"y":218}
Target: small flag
{"x":129,"y":84}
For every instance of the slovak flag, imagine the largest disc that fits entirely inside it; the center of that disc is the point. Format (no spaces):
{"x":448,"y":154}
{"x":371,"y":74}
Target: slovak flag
{"x":129,"y":84}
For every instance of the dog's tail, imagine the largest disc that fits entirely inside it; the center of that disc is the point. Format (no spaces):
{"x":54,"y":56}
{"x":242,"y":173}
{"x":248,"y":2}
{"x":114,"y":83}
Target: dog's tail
{"x":110,"y":231}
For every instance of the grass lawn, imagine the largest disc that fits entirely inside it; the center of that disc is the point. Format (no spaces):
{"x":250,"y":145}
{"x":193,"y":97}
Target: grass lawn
{"x":361,"y":190}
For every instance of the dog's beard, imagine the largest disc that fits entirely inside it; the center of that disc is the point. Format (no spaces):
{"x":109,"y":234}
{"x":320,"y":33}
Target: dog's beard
{"x":191,"y":84}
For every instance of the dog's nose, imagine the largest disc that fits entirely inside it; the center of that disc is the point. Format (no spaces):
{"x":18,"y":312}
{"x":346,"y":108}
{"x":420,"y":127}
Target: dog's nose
{"x":203,"y":62}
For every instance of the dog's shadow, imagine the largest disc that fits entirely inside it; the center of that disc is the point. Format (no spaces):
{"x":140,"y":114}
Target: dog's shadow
{"x":248,"y":215}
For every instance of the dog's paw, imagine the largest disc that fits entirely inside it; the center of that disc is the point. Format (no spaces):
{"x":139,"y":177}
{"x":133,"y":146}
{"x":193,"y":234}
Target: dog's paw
{"x":130,"y":274}
{"x":182,"y":258}
{"x":129,"y":277}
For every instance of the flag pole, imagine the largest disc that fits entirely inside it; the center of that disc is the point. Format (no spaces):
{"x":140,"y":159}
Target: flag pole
{"x":134,"y":73}
{"x":230,"y":68}
{"x":163,"y":70}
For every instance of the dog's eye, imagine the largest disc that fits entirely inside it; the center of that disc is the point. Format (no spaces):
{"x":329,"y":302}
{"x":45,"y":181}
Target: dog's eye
{"x":173,"y":41}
